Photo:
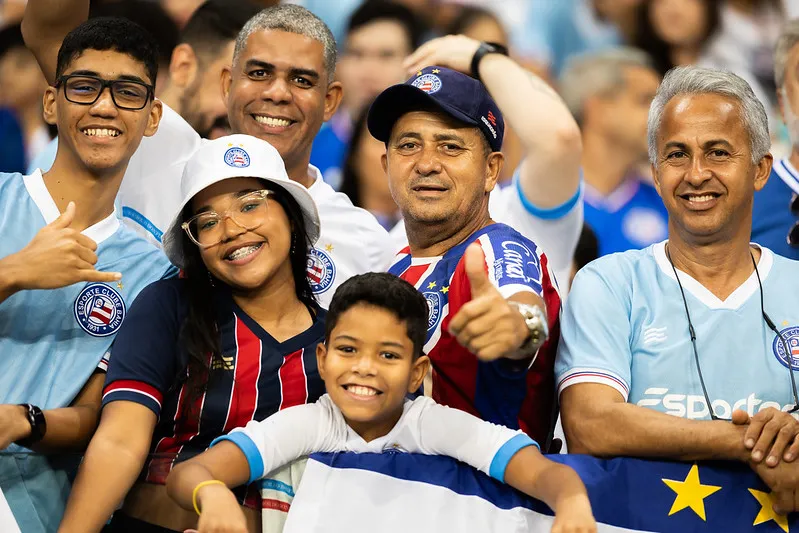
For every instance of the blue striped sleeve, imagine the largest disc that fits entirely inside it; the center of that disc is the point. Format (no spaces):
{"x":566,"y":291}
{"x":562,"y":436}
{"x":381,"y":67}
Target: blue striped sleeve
{"x":506,"y":453}
{"x":250,"y":450}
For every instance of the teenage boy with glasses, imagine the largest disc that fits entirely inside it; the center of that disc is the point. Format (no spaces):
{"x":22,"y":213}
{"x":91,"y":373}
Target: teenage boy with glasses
{"x":61,"y":233}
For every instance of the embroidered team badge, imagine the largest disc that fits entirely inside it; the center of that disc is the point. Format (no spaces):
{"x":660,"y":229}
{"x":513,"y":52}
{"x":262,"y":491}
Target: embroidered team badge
{"x":434,"y":309}
{"x":791,"y":336}
{"x":429,"y":83}
{"x":237,"y":157}
{"x":321,"y":271}
{"x":99,"y":310}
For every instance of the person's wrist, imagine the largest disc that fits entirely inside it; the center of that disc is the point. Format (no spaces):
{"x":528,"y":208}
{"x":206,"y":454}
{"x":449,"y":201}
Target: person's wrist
{"x":21,"y":424}
{"x":12,"y":275}
{"x":215,"y":492}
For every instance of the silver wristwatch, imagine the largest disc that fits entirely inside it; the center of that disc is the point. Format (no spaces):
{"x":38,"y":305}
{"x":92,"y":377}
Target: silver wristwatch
{"x":537,"y":327}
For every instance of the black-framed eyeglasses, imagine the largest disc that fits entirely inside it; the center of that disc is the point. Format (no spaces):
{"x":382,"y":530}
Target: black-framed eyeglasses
{"x":793,"y":234}
{"x":85,"y":90}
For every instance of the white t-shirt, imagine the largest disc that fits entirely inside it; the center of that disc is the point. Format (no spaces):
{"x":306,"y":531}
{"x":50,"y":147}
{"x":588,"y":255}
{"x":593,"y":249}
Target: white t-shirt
{"x":424,"y":427}
{"x":351,"y":240}
{"x":555,"y":231}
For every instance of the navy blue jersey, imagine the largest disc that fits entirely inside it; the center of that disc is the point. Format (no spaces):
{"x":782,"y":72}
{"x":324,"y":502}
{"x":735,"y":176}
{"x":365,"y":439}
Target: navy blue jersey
{"x":255,"y":376}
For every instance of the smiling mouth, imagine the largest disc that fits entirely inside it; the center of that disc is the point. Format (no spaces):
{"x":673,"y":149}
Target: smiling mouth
{"x":700,"y":198}
{"x":361,"y":390}
{"x":244,"y":251}
{"x":428,"y":188}
{"x":101,"y":132}
{"x":273,"y":122}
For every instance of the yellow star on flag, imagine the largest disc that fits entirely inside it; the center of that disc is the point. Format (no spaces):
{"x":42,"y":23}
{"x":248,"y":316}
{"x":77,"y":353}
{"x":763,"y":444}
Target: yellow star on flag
{"x":436,"y":71}
{"x":690,"y":493}
{"x":445,"y":290}
{"x":766,"y":501}
{"x":329,"y":247}
{"x":431,"y":285}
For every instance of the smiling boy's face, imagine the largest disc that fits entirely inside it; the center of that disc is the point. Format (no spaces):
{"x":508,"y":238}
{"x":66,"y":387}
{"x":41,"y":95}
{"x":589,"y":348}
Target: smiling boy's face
{"x":368,"y":368}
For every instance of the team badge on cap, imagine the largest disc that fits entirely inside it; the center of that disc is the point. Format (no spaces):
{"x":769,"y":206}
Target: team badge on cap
{"x":321,"y":271}
{"x":237,"y":157}
{"x":99,"y":309}
{"x":791,"y":336}
{"x":434,"y":307}
{"x":429,"y":83}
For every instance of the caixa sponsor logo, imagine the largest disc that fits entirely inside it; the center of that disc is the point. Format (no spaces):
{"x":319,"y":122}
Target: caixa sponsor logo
{"x":694,"y":405}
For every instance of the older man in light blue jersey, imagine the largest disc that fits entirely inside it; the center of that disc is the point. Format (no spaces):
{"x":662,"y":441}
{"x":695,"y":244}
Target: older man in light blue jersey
{"x":703,"y":326}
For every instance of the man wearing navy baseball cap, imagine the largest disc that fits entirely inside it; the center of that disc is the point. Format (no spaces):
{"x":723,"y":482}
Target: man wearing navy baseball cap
{"x":493,"y":322}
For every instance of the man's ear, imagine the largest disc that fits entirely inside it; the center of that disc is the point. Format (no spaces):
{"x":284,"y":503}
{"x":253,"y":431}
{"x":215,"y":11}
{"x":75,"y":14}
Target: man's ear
{"x":226,"y":79}
{"x":493,"y":169}
{"x":333,"y":97}
{"x":321,"y":357}
{"x":184,"y":66}
{"x":418,"y":372}
{"x":50,"y":106}
{"x":763,"y":171}
{"x":154,"y":119}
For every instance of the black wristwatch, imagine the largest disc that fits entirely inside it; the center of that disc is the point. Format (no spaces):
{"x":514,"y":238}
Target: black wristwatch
{"x":38,"y":425}
{"x":485,"y":48}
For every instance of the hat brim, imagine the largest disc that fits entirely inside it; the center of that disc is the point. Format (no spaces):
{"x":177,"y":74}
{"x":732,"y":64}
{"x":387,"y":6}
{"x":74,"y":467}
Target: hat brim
{"x":172,"y":240}
{"x":397,"y":100}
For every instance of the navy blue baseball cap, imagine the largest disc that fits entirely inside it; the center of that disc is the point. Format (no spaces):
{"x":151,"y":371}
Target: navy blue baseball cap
{"x":456,"y":94}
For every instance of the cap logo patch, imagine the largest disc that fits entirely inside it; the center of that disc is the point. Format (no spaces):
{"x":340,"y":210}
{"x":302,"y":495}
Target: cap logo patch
{"x":429,"y":83}
{"x":237,"y":157}
{"x":492,"y":119}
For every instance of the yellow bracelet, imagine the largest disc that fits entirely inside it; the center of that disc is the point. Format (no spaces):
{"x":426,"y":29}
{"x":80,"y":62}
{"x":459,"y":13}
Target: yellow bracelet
{"x":198,"y":487}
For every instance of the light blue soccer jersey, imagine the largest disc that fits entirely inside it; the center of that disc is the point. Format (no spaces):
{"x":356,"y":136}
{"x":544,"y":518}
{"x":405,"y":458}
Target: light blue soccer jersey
{"x":51,"y":341}
{"x":624,"y":326}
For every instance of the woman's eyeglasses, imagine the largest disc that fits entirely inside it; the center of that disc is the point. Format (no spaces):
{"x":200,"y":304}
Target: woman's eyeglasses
{"x":248,"y":211}
{"x":86,"y":90}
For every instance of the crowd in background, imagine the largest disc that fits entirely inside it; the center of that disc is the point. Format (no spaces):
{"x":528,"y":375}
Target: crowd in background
{"x":643,"y":40}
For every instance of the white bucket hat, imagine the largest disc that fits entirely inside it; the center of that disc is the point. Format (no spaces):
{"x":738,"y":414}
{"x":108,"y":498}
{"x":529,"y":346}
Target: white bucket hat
{"x":234,"y":156}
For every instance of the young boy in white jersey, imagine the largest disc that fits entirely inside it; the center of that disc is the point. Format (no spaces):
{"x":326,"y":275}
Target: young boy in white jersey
{"x":371,"y":359}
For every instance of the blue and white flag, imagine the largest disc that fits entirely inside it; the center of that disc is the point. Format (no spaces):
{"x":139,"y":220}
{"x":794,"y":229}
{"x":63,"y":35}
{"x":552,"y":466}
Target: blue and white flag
{"x":398,"y":492}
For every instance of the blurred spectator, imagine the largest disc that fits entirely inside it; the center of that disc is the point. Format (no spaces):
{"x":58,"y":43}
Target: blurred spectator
{"x":194,"y":88}
{"x":555,"y":31}
{"x":380,"y":34}
{"x":609,"y":94}
{"x":12,"y":149}
{"x":587,"y":250}
{"x":479,"y":24}
{"x":334,"y":14}
{"x":22,"y":86}
{"x":775,"y":214}
{"x":153,"y":18}
{"x":181,"y":10}
{"x":11,"y":12}
{"x":363,"y":178}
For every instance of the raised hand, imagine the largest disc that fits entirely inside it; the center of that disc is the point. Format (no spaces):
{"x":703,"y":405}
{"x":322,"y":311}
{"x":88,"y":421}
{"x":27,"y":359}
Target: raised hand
{"x":451,"y":51}
{"x":57,"y":256}
{"x":487,"y":325}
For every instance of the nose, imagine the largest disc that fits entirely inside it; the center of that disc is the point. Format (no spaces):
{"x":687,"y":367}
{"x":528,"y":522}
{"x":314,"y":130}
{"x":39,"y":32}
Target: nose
{"x":364,"y":365}
{"x":699,"y":172}
{"x":104,"y":106}
{"x":428,"y":162}
{"x":277,"y":91}
{"x":231,"y":228}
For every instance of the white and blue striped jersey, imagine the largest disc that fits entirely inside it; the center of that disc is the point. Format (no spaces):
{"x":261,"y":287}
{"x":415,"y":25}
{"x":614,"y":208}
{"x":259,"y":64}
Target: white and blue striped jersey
{"x":624,"y":325}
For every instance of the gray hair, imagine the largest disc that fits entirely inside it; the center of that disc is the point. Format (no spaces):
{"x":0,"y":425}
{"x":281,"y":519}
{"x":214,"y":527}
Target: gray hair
{"x":697,"y":80}
{"x":597,"y":73}
{"x":293,"y":19}
{"x":787,"y":40}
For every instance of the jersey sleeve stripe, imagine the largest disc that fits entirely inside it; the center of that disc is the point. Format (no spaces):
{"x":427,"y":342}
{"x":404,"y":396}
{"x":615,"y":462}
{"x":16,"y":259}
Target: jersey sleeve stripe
{"x":552,"y":213}
{"x":503,"y":456}
{"x":509,"y":290}
{"x":250,"y":451}
{"x":593,"y":375}
{"x":136,"y":391}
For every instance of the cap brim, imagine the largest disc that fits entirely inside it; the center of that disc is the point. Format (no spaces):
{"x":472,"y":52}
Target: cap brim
{"x":397,"y":100}
{"x":172,"y":240}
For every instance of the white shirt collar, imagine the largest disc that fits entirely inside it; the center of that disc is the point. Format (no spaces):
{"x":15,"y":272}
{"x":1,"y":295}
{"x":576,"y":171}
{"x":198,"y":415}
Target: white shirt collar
{"x":787,"y":173}
{"x":98,"y":232}
{"x":316,"y":175}
{"x":738,"y":297}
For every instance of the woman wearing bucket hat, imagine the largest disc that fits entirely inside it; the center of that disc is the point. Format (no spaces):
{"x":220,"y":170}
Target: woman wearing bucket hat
{"x":232,"y":341}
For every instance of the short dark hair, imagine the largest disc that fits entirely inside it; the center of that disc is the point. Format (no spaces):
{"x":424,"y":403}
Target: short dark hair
{"x":377,"y":10}
{"x":149,"y":15}
{"x":388,"y":292}
{"x":11,"y":38}
{"x":217,"y":22}
{"x":467,"y":16}
{"x":109,"y":33}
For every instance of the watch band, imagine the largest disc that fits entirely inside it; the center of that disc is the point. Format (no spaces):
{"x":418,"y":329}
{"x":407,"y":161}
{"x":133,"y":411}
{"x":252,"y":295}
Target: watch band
{"x":38,"y":425}
{"x":482,"y":50}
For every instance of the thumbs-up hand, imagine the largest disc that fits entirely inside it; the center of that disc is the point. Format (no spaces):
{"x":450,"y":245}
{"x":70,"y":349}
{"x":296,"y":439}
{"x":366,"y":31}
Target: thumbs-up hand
{"x":487,"y":325}
{"x":57,"y":256}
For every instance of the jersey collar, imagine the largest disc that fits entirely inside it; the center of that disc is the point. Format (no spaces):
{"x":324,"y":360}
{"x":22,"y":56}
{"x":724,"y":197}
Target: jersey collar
{"x":787,"y":173}
{"x":38,"y":192}
{"x":617,"y":198}
{"x":735,"y":300}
